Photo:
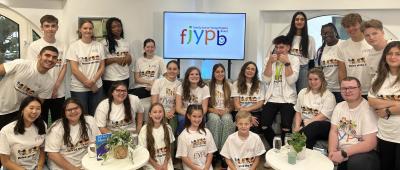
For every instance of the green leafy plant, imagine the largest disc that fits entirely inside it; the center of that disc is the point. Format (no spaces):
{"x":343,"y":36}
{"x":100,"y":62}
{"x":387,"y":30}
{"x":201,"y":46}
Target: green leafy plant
{"x":118,"y":144}
{"x":298,"y":141}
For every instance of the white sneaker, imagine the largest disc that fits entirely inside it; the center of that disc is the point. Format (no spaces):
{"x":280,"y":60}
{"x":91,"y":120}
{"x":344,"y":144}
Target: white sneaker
{"x":266,"y":165}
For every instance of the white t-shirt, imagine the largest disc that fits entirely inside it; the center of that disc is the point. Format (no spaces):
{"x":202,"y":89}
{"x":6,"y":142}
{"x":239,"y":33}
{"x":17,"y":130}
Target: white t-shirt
{"x":195,"y":146}
{"x":388,"y":129}
{"x":114,"y":71}
{"x":159,"y":145}
{"x":166,"y":91}
{"x":220,"y":96}
{"x":296,"y":51}
{"x":356,"y":55}
{"x":373,"y":61}
{"x":149,"y":69}
{"x":24,"y":150}
{"x":247,"y":100}
{"x":196,"y":95}
{"x":117,"y":115}
{"x":33,"y":52}
{"x":22,"y":79}
{"x":72,"y":154}
{"x":329,"y":64}
{"x":352,"y":124}
{"x":310,"y":104}
{"x":89,"y":57}
{"x":243,"y":152}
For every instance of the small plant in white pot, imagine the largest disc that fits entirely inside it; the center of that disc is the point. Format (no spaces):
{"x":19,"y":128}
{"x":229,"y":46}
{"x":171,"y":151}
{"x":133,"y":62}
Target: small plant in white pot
{"x":298,"y":143}
{"x":118,"y":144}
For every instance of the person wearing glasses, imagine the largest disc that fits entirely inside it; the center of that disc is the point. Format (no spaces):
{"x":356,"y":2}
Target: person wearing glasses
{"x":352,"y":137}
{"x":119,"y":111}
{"x":384,"y":97}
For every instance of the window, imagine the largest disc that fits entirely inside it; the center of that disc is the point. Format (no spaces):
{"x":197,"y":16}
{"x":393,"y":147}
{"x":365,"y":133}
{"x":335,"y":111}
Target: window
{"x":9,"y":40}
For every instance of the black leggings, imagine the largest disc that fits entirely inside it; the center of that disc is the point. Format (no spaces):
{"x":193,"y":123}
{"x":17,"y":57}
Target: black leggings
{"x":269,"y":113}
{"x":317,"y":130}
{"x":389,"y":155}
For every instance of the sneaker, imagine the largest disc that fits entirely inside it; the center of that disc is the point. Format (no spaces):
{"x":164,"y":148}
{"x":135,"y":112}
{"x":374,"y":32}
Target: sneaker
{"x":266,"y":165}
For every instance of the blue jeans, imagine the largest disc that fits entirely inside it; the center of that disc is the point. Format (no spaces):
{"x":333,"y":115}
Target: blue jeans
{"x":89,"y":100}
{"x":302,"y":81}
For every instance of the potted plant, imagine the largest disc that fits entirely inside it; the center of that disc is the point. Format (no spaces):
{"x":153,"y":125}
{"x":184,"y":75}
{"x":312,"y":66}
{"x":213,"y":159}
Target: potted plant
{"x":118,"y":144}
{"x":298,"y":143}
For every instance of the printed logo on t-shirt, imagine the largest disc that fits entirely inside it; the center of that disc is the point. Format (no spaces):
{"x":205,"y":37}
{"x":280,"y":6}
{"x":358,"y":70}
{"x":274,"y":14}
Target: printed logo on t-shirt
{"x":309,"y":112}
{"x":244,"y":162}
{"x":161,"y":152}
{"x":278,"y":79}
{"x":296,"y":52}
{"x":193,"y":99}
{"x":198,"y":142}
{"x":247,"y":100}
{"x":347,"y":131}
{"x":329,"y":63}
{"x":94,"y":58}
{"x":357,"y":62}
{"x":80,"y":145}
{"x":120,"y":123}
{"x":147,"y":73}
{"x":24,"y":153}
{"x":121,"y":53}
{"x":389,"y":97}
{"x":24,"y":88}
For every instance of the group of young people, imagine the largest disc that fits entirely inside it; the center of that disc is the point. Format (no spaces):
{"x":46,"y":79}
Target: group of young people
{"x":325,"y":103}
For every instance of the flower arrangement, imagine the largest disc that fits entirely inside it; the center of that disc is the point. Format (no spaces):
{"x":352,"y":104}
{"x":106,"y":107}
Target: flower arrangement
{"x":118,"y":144}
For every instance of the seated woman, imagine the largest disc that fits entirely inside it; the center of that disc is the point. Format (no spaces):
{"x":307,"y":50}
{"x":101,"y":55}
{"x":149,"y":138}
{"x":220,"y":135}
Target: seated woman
{"x":119,"y":110}
{"x":22,"y":140}
{"x":69,"y":137}
{"x":192,"y":91}
{"x":314,"y":108}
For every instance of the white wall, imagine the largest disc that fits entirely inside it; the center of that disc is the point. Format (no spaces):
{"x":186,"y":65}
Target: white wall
{"x":265,"y":19}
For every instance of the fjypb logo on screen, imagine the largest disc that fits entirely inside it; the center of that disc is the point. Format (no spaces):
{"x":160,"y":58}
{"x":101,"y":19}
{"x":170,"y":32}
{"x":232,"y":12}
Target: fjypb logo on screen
{"x":197,"y":34}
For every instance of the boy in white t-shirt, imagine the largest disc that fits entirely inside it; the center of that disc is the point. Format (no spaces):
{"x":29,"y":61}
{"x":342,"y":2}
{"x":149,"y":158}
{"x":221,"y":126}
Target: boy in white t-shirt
{"x":243,"y":148}
{"x":354,"y":53}
{"x":352,"y":137}
{"x":24,"y":78}
{"x":375,"y":36}
{"x":49,"y":26}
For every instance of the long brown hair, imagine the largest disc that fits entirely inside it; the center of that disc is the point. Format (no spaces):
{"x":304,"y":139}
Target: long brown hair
{"x":126,"y":102}
{"x":241,"y":82}
{"x":383,"y":68}
{"x":149,"y":134}
{"x":186,"y":83}
{"x":225,"y":86}
{"x":321,"y":76}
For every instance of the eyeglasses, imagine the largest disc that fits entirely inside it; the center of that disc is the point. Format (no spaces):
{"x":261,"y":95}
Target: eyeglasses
{"x":344,"y":89}
{"x":72,"y":109}
{"x":120,"y":91}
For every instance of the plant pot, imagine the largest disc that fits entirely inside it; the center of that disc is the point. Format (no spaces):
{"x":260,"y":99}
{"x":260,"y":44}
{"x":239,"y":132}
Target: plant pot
{"x":120,"y":152}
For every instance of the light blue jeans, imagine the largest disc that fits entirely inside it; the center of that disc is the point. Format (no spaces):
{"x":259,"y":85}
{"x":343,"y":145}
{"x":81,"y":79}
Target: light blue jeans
{"x":89,"y":100}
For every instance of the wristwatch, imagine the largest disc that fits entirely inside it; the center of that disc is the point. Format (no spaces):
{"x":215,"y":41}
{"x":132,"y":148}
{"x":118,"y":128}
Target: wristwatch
{"x":344,"y":153}
{"x":287,"y":64}
{"x":388,"y":112}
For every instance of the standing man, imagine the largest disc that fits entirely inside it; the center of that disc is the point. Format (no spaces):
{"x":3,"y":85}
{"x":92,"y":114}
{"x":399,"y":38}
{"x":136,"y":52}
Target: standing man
{"x":375,"y":36}
{"x":352,"y":137}
{"x":24,"y":78}
{"x":354,"y":53}
{"x":49,"y":26}
{"x":281,"y":72}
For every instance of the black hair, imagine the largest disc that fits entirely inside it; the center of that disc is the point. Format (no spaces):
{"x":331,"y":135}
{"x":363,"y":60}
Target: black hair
{"x":19,"y":128}
{"x":189,"y":112}
{"x":282,"y":40}
{"x":48,"y":48}
{"x":127,"y":103}
{"x":321,"y":49}
{"x":304,"y":42}
{"x":110,"y":36}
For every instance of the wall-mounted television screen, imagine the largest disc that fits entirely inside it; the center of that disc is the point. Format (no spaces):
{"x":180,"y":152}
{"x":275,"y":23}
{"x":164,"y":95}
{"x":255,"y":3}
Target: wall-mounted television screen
{"x":198,"y":35}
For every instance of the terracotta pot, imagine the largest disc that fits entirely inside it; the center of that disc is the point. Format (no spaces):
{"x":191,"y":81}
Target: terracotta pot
{"x":120,"y":152}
